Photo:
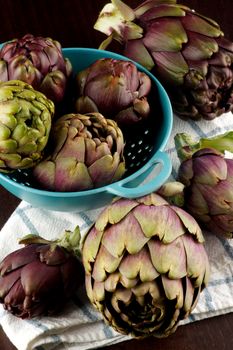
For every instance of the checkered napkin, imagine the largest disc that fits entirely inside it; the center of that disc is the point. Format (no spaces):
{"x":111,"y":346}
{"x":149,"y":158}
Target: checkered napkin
{"x":80,"y":326}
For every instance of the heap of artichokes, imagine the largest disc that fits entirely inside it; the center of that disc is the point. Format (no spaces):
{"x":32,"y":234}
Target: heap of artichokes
{"x":37,"y":61}
{"x":145,"y":265}
{"x":86,"y":151}
{"x":185,"y":49}
{"x":39,"y":278}
{"x":115,"y":88}
{"x":25,"y":124}
{"x":208,"y":179}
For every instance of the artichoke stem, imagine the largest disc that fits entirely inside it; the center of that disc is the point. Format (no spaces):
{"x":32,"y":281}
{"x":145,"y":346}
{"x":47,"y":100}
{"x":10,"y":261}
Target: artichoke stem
{"x":186,"y":146}
{"x":33,"y":239}
{"x":173,"y":192}
{"x":70,"y":240}
{"x":105,"y":43}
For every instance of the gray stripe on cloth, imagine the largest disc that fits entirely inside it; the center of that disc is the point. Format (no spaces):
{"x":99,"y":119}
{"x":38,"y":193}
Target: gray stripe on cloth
{"x":21,"y":213}
{"x":85,"y":309}
{"x":196,"y":128}
{"x":227,"y":247}
{"x":220,"y":281}
{"x":38,"y":324}
{"x":85,"y":218}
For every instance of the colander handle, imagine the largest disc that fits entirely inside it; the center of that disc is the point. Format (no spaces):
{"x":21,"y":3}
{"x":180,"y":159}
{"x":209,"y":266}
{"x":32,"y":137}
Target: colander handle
{"x":119,"y":189}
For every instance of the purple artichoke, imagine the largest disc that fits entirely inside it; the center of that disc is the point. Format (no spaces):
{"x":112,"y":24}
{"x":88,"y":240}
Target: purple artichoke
{"x":39,"y":278}
{"x":37,"y":61}
{"x":145,"y":265}
{"x":116,"y":89}
{"x":184,"y":49}
{"x":85,"y":152}
{"x":208,"y":179}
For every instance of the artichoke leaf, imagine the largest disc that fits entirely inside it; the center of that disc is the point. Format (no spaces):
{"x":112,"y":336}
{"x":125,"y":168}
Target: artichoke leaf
{"x":190,"y":224}
{"x":148,"y":5}
{"x":105,"y":263}
{"x":91,"y":244}
{"x":171,"y":65}
{"x":165,"y":10}
{"x":197,"y":269}
{"x":160,"y":37}
{"x":121,"y":295}
{"x":124,"y":235}
{"x":119,"y":209}
{"x":198,"y":24}
{"x":169,"y":259}
{"x":138,"y":265}
{"x":173,"y":290}
{"x":138,"y":52}
{"x":8,"y":281}
{"x":44,"y":279}
{"x":159,"y":221}
{"x":113,"y":279}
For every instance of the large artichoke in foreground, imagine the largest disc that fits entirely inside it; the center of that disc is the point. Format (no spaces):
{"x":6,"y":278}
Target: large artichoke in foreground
{"x":37,"y":61}
{"x":86,"y":151}
{"x":39,"y":278}
{"x":186,"y":50}
{"x":115,"y":88}
{"x":25,"y":123}
{"x":145,"y":265}
{"x":208,"y":179}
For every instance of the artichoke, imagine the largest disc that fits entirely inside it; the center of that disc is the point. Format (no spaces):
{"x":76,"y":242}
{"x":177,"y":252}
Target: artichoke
{"x":184,"y":49}
{"x":25,"y":123}
{"x":116,"y":89}
{"x":208,"y":181}
{"x":86,"y":152}
{"x":37,"y":61}
{"x":145,"y":265}
{"x":39,"y":278}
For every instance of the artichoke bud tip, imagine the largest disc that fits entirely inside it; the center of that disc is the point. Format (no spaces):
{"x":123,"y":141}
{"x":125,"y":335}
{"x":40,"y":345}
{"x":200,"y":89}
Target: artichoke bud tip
{"x":124,"y":9}
{"x":70,"y":240}
{"x":116,"y":21}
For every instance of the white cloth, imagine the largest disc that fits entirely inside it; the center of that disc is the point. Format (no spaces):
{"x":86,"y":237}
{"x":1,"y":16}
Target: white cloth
{"x":80,"y":326}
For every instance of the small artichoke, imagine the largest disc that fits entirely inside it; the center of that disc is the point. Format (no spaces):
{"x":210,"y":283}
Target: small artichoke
{"x":39,"y":278}
{"x":37,"y":61}
{"x":115,"y":88}
{"x":25,"y":123}
{"x":145,"y":265}
{"x":208,"y":179}
{"x":86,"y":151}
{"x":184,"y":49}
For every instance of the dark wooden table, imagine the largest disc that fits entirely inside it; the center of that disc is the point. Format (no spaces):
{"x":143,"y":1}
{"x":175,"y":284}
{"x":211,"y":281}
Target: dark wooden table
{"x":71,"y":23}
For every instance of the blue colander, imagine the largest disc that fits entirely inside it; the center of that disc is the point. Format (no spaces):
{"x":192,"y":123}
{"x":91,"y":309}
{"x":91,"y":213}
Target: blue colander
{"x":148,"y":164}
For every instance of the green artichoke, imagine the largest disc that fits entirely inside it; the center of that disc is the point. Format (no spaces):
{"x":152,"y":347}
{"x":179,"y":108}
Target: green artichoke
{"x":86,"y":151}
{"x":116,"y":89}
{"x":37,"y":61}
{"x":39,"y":278}
{"x":184,"y":49}
{"x":208,"y":179}
{"x":25,"y":123}
{"x":145,"y":265}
